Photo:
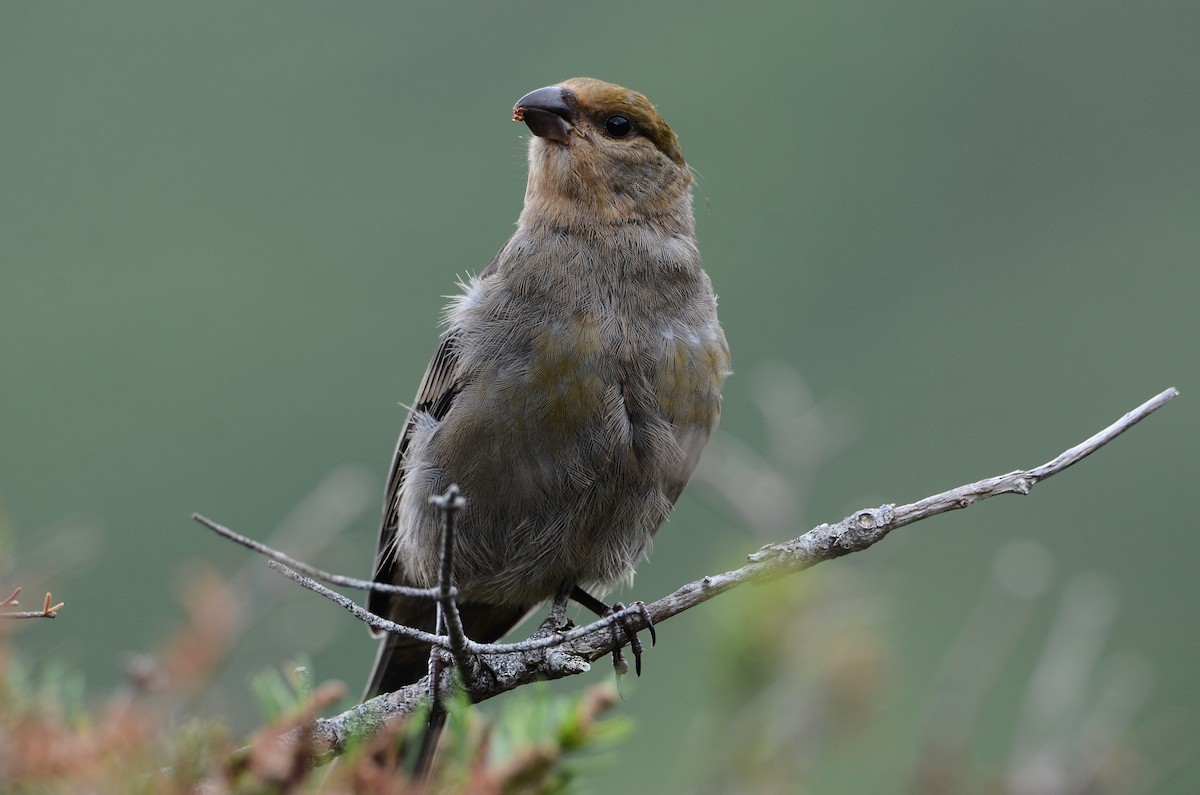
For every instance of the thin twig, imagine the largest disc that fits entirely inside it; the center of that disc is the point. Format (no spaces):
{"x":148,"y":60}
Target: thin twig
{"x":471,"y":647}
{"x":312,"y":571}
{"x":30,"y":614}
{"x":449,"y":504}
{"x":361,"y":613}
{"x":448,"y":622}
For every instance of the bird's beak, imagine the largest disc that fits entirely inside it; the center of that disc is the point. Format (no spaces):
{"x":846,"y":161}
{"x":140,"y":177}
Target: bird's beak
{"x":548,"y":112}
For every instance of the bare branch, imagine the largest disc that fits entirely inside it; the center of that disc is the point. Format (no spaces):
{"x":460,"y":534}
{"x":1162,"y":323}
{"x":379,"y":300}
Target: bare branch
{"x":861,"y":530}
{"x":567,"y":653}
{"x":524,"y":662}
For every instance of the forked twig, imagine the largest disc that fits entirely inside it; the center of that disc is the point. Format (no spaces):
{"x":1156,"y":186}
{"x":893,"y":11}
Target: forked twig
{"x":49,"y":610}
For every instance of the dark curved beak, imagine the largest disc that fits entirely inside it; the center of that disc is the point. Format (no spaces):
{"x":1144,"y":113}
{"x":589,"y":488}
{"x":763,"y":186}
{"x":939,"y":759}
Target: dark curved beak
{"x":548,"y":112}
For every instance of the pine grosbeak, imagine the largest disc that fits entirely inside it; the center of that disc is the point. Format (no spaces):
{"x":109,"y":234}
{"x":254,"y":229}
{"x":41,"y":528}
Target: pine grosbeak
{"x":576,"y":384}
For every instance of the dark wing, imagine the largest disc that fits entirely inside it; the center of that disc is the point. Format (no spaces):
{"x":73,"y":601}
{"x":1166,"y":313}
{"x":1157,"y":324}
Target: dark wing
{"x":436,"y":394}
{"x":402,"y":660}
{"x":439,"y":386}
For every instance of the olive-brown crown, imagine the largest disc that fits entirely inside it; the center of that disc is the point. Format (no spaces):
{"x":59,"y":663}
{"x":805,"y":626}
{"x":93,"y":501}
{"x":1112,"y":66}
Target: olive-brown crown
{"x":600,"y":101}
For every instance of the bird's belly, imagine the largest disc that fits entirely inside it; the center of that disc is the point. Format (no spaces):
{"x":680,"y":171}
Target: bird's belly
{"x":574,"y":457}
{"x":560,"y":496}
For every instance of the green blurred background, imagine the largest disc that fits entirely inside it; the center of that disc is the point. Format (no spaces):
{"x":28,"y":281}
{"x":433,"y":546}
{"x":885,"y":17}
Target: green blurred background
{"x":973,"y":230}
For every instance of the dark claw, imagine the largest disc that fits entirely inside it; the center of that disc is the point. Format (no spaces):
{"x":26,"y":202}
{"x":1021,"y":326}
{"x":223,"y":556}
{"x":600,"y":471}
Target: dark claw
{"x":640,"y":607}
{"x":635,"y":644}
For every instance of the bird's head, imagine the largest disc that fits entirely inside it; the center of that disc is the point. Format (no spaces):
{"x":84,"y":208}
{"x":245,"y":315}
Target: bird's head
{"x":601,"y":151}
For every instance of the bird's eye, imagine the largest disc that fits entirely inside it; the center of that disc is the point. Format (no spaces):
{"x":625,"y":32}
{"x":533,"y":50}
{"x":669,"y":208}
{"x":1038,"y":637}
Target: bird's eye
{"x":618,"y":126}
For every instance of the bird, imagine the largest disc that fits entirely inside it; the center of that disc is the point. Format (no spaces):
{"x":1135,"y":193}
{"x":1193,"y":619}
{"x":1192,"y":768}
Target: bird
{"x":576,"y":383}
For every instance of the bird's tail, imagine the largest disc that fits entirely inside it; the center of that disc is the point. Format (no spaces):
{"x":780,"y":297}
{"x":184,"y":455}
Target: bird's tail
{"x":401,"y":661}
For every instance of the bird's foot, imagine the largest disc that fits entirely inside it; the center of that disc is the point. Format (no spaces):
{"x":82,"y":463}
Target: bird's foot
{"x":635,"y":644}
{"x":624,"y":624}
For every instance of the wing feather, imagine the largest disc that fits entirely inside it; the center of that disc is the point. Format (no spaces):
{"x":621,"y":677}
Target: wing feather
{"x":435,"y":396}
